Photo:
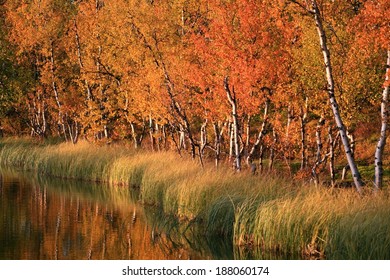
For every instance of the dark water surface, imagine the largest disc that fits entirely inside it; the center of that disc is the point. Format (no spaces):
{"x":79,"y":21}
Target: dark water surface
{"x":42,"y":218}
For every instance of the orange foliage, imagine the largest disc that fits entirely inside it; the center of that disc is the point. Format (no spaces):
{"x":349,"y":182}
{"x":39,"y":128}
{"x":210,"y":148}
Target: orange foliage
{"x":121,"y":68}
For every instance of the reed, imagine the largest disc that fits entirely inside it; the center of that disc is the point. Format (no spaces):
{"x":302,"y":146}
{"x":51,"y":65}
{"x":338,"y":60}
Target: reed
{"x":82,"y":161}
{"x":318,"y":224}
{"x":274,"y":215}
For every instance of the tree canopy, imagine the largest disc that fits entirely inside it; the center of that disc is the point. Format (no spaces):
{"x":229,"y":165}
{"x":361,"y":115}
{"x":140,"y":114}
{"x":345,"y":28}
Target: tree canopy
{"x":164,"y":70}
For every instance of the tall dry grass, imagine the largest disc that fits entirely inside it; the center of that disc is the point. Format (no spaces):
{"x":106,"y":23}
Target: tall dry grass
{"x":318,"y":223}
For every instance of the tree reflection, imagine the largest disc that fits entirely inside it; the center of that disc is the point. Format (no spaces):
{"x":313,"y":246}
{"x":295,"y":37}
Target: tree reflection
{"x":60,"y":219}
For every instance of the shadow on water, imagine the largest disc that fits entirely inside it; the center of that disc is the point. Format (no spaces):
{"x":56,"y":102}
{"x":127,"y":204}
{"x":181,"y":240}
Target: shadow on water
{"x":46,"y":218}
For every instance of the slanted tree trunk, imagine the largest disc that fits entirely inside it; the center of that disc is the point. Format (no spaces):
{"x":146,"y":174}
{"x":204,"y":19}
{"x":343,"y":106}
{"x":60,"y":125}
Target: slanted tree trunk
{"x":332,"y":98}
{"x":233,"y":103}
{"x":382,"y":139}
{"x":261,"y":134}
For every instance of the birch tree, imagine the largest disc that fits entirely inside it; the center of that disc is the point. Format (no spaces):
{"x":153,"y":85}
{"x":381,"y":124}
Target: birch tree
{"x":314,"y":10}
{"x":373,"y":29}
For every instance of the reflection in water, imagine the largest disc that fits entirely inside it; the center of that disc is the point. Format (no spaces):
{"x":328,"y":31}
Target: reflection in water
{"x":63,"y":219}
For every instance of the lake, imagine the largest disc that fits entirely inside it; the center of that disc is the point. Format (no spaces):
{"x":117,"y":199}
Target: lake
{"x":46,"y":218}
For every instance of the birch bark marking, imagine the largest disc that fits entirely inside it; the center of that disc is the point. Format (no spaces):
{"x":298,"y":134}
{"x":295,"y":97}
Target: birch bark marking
{"x":332,"y":98}
{"x":382,"y":139}
{"x":233,"y":104}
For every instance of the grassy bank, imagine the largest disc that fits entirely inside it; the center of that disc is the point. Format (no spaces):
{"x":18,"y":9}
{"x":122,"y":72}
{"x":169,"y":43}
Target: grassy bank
{"x":260,"y":213}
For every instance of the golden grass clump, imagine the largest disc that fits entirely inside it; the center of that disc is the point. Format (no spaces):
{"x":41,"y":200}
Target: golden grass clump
{"x":318,"y":223}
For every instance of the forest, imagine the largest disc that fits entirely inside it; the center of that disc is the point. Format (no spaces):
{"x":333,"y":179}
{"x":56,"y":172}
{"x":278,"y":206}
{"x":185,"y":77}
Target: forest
{"x":297,"y":86}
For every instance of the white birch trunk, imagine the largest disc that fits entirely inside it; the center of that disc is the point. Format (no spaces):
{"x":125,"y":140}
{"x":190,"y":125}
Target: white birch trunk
{"x":217,"y":143}
{"x":303,"y":118}
{"x":290,"y":117}
{"x":332,"y":146}
{"x":182,"y":139}
{"x":382,"y":139}
{"x":233,"y":104}
{"x":73,"y":131}
{"x":248,"y":131}
{"x":231,"y":141}
{"x":332,"y":98}
{"x":134,"y":135}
